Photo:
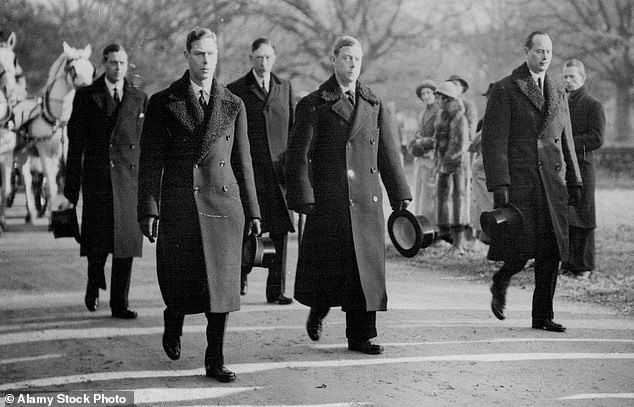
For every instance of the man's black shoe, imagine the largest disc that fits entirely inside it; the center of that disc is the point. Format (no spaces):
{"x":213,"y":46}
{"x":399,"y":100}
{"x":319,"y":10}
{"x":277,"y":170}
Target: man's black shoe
{"x":365,"y":346}
{"x":244,"y":286}
{"x":314,"y":325}
{"x":498,"y":300}
{"x":92,"y":298}
{"x":172,"y":346}
{"x":125,"y":313}
{"x":280,"y":299}
{"x":220,"y":373}
{"x":548,"y":325}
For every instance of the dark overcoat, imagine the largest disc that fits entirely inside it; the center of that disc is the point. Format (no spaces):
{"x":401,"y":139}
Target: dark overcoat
{"x":588,"y":126}
{"x":196,"y":177}
{"x":270,"y":119}
{"x":335,"y":157}
{"x":103,"y":159}
{"x":527,"y":145}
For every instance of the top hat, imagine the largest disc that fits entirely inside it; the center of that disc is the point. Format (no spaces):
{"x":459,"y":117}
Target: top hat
{"x":458,"y":78}
{"x":64,"y":224}
{"x":410,"y":233}
{"x":258,"y":251}
{"x":425,"y":84}
{"x":502,"y":222}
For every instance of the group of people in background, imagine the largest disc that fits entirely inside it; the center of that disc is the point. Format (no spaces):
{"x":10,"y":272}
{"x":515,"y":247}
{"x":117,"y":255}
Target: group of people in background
{"x":199,"y":166}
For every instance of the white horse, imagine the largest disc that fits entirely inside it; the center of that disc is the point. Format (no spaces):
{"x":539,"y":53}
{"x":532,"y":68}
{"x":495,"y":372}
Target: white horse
{"x":42,"y":122}
{"x":9,"y":93}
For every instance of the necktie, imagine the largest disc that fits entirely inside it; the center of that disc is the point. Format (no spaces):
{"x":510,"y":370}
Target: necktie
{"x":116,"y":97}
{"x":539,"y":85}
{"x":350,"y":97}
{"x":201,"y":99}
{"x":264,"y":88}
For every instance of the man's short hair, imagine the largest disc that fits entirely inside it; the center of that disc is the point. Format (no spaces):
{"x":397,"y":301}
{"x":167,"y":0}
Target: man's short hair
{"x":577,"y":64}
{"x":261,"y":41}
{"x":197,"y":34}
{"x":529,"y":40}
{"x":344,"y":41}
{"x":116,"y":47}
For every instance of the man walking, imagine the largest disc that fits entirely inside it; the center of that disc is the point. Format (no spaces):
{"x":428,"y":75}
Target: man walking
{"x":529,"y":161}
{"x":196,"y":178}
{"x":103,"y":159}
{"x":268,"y":100}
{"x":341,"y":143}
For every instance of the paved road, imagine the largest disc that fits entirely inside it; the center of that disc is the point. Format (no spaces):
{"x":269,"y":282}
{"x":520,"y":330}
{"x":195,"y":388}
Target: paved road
{"x":442,"y":345}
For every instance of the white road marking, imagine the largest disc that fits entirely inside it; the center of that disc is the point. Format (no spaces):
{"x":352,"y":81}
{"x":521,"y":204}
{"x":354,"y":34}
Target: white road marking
{"x":41,"y":325}
{"x":590,"y":396}
{"x":30,"y":358}
{"x":493,"y":340}
{"x":245,"y":368}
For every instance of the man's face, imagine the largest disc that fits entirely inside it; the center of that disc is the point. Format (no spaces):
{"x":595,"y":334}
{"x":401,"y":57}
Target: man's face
{"x":262,"y":59}
{"x":347,"y":64}
{"x":116,"y":66}
{"x":539,"y":55}
{"x":202,"y":59}
{"x":427,"y":96}
{"x":573,"y":78}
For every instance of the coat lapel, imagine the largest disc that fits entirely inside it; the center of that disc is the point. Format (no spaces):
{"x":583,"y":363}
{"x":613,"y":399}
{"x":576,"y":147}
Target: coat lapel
{"x":184,"y":105}
{"x":363,"y":113}
{"x":102,"y":97}
{"x":554,"y":95}
{"x":527,"y":86}
{"x":254,"y":87}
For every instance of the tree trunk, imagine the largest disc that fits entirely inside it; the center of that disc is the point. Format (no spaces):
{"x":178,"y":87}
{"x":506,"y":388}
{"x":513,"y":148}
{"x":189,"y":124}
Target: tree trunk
{"x":623,"y":125}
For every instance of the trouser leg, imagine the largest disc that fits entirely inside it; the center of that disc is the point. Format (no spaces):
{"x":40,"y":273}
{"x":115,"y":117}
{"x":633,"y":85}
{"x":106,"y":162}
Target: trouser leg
{"x":96,"y":275}
{"x":216,"y":326}
{"x":120,"y":282}
{"x":276,"y":280}
{"x":546,"y":271}
{"x":360,"y":325}
{"x":508,"y":270}
{"x":173,"y":322}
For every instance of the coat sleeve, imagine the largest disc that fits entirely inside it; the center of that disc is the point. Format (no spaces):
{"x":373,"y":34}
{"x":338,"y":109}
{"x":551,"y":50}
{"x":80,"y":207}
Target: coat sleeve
{"x":592,"y":139}
{"x":458,"y":141}
{"x":154,"y":141}
{"x":496,"y":129}
{"x":298,"y":183}
{"x":573,"y":175}
{"x":242,"y":165}
{"x":389,"y":162}
{"x":77,"y":129}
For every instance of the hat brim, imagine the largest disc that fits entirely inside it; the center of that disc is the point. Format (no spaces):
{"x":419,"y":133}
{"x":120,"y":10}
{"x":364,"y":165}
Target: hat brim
{"x":502,"y":222}
{"x":258,"y":251}
{"x":410,"y":233}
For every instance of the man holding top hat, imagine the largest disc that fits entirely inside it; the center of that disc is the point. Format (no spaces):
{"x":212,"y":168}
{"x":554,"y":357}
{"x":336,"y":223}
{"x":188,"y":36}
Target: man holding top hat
{"x":529,"y":160}
{"x":340,"y":145}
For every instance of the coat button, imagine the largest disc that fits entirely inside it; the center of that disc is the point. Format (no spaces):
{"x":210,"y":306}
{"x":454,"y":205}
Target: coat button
{"x":112,"y":163}
{"x":540,"y":164}
{"x":196,"y":189}
{"x":228,"y":138}
{"x":558,"y":166}
{"x":372,"y":142}
{"x":372,"y":170}
{"x":222,"y":163}
{"x":111,"y":145}
{"x":351,"y":202}
{"x":225,"y":188}
{"x":375,"y":198}
{"x":132,"y":146}
{"x":350,"y":174}
{"x":349,"y":143}
{"x":195,"y":165}
{"x":132,"y":167}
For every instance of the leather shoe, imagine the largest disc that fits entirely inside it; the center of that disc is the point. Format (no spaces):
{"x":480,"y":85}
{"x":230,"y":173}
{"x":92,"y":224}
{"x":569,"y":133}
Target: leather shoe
{"x":548,"y":325}
{"x":172,"y":346}
{"x":92,"y":298}
{"x":498,"y":300}
{"x":244,"y":286}
{"x":220,"y":373}
{"x":280,"y":299}
{"x":365,"y":346}
{"x":124,"y":313}
{"x":314,"y":325}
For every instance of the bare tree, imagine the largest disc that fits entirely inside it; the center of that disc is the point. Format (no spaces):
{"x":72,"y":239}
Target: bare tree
{"x":601,"y":34}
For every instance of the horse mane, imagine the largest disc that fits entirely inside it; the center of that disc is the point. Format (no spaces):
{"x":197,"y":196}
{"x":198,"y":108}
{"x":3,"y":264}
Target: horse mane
{"x":55,"y":68}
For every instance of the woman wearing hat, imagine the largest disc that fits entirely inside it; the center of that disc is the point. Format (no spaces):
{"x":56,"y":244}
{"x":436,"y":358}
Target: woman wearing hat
{"x":422,"y":148}
{"x":452,"y":141}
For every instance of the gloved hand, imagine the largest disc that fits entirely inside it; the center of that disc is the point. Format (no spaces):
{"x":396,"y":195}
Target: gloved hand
{"x":574,"y":195}
{"x":501,"y":196}
{"x":149,"y":227}
{"x":402,"y":205}
{"x":306,"y":209}
{"x":254,"y":227}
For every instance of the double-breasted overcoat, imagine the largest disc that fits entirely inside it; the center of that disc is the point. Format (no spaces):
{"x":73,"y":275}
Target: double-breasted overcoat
{"x":196,"y":177}
{"x":336,"y":155}
{"x":588,"y":125}
{"x":103,"y":161}
{"x":270,"y":119}
{"x":527,"y":145}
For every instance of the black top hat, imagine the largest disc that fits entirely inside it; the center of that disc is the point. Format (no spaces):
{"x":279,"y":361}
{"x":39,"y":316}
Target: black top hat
{"x":502,"y":222}
{"x":410,"y":233}
{"x":257,"y":251}
{"x":64,"y":224}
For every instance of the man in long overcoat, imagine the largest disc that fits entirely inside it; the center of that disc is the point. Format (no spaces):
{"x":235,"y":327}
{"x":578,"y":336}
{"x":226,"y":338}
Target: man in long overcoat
{"x":587,"y":117}
{"x":341,"y":143}
{"x":104,"y":131}
{"x":195,"y":190}
{"x":529,"y":160}
{"x":270,"y":112}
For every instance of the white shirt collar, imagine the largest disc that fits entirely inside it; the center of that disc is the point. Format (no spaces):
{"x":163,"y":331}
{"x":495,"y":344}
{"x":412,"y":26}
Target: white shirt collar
{"x":541,"y":75}
{"x":259,"y":79}
{"x":206,"y":88}
{"x":111,"y":86}
{"x":351,"y":89}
